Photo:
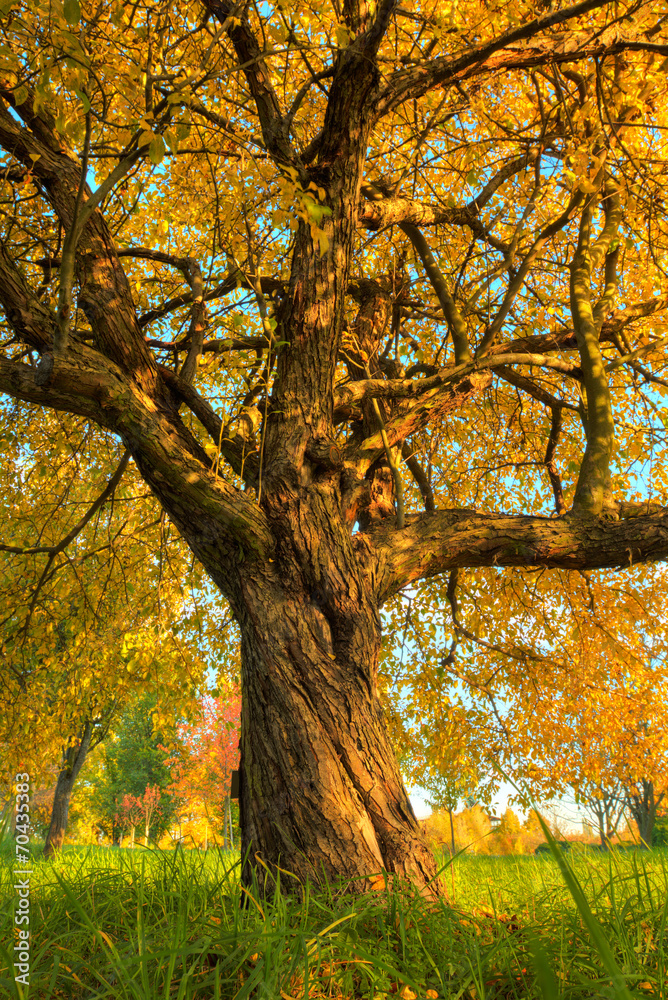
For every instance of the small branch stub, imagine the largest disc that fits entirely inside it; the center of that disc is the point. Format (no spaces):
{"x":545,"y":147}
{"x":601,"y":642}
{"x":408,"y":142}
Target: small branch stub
{"x":325,"y":453}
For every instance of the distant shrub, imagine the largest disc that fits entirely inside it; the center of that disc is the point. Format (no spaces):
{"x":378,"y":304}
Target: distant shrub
{"x":660,"y":832}
{"x":564,"y":845}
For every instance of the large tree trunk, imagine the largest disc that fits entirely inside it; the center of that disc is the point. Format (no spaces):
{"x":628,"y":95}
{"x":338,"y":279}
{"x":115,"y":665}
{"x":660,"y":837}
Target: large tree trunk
{"x":314,"y":743}
{"x":73,"y":758}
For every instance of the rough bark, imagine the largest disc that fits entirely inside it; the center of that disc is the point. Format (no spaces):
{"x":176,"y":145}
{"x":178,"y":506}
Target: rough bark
{"x":593,"y":490}
{"x":73,"y":758}
{"x":446,"y":539}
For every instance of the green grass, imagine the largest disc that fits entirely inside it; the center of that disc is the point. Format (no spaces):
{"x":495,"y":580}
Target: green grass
{"x":143,"y":925}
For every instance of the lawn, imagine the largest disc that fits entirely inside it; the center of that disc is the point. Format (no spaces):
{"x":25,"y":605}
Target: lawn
{"x":145,"y":924}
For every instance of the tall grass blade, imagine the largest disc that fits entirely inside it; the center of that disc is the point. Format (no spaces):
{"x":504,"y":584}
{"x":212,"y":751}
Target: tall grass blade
{"x":604,"y":950}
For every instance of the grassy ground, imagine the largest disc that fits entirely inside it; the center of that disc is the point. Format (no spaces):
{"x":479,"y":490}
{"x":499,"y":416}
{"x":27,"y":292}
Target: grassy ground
{"x":144,"y":925}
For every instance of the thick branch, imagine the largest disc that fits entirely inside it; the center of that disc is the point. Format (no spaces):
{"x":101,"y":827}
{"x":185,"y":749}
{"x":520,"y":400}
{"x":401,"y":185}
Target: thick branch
{"x":193,"y":274}
{"x":550,"y":464}
{"x":432,"y":405}
{"x":564,"y":339}
{"x":502,"y":52}
{"x":435,"y":543}
{"x":380,"y":212}
{"x":383,"y":209}
{"x":533,"y":389}
{"x":169,"y":458}
{"x":592,"y":493}
{"x":354,"y":86}
{"x":353,"y":394}
{"x":235,"y":439}
{"x":31,"y":320}
{"x":104,"y":295}
{"x":274,"y":126}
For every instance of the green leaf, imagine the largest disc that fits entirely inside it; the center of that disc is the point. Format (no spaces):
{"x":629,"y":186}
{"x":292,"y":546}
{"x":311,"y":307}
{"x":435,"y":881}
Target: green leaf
{"x":156,"y":149}
{"x":72,"y":11}
{"x":545,"y":977}
{"x":84,"y":100}
{"x":317,"y":212}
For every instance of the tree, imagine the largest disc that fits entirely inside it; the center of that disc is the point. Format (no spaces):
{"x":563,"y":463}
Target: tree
{"x":441,"y":756}
{"x":135,"y":761}
{"x":570,"y":695}
{"x":129,"y":815}
{"x":149,"y":804}
{"x":612,"y":745}
{"x":472,"y":829}
{"x":74,"y":755}
{"x":297,"y":210}
{"x":71,"y":697}
{"x":643,"y":800}
{"x":81,"y":636}
{"x":203,"y":756}
{"x":606,"y":807}
{"x":508,"y":834}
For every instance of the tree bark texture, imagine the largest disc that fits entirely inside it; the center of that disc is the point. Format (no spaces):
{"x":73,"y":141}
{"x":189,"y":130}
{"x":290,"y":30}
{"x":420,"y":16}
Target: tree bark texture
{"x":73,"y":758}
{"x":314,"y":742}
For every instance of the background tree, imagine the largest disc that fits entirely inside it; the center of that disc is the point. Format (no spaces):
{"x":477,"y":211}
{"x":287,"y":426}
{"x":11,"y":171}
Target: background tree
{"x":149,"y":804}
{"x":569,"y":694}
{"x":508,"y":832}
{"x":472,"y":829}
{"x":444,"y":756}
{"x":644,"y":799}
{"x":129,"y":815}
{"x":132,"y":761}
{"x":614,"y":745}
{"x":202,"y":757}
{"x":343,"y":262}
{"x":605,"y":806}
{"x":84,"y":630}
